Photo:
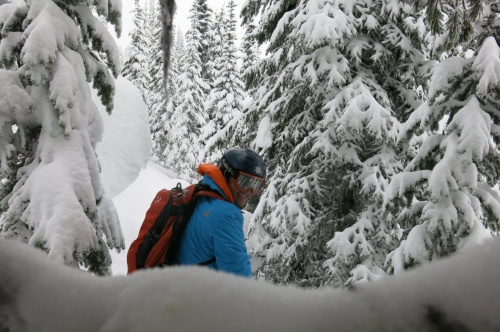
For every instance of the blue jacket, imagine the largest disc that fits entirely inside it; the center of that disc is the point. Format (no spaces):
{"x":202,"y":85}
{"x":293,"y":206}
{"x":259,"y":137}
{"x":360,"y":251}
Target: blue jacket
{"x":215,"y":229}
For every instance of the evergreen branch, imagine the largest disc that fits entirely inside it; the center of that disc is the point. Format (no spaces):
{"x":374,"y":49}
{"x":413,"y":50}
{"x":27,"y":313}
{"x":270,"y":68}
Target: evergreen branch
{"x":435,"y":16}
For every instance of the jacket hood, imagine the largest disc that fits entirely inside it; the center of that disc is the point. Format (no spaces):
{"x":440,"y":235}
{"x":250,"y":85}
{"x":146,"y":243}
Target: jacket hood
{"x":216,"y":175}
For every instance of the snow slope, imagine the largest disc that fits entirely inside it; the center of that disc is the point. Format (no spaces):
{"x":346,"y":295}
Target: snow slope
{"x":126,"y":143}
{"x":132,"y":205}
{"x":39,"y":294}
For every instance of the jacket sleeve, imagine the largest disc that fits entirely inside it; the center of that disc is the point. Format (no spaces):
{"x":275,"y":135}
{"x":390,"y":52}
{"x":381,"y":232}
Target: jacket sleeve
{"x":229,"y":246}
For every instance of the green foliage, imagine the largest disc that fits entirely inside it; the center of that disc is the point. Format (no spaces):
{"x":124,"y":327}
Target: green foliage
{"x":105,"y":90}
{"x":96,"y":261}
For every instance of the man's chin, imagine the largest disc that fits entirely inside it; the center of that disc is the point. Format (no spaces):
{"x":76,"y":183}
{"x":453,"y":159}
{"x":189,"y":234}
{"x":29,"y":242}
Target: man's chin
{"x":239,"y":201}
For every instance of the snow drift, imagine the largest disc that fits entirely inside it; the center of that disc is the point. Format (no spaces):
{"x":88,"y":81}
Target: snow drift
{"x":126,"y":143}
{"x":461,"y":293}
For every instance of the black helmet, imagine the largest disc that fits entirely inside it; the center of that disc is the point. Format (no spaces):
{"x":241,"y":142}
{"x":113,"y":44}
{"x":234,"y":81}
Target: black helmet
{"x":241,"y":159}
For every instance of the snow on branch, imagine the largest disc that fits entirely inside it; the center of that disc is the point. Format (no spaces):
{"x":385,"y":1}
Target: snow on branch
{"x":460,"y":293}
{"x":443,"y":73}
{"x":403,"y":182}
{"x":489,"y":197}
{"x":49,"y":29}
{"x":332,"y":23}
{"x":98,"y":34}
{"x":417,"y":122}
{"x":487,"y":64}
{"x":473,"y":126}
{"x":15,"y":105}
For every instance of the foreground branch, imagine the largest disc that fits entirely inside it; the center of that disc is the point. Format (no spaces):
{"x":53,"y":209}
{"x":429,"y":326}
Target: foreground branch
{"x":461,"y":293}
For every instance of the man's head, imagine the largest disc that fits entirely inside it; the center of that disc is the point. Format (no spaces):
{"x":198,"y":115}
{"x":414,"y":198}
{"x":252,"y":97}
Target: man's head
{"x":245,"y":173}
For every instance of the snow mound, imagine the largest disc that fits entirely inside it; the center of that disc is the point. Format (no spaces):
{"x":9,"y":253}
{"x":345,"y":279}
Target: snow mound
{"x":126,"y":143}
{"x":461,"y":293}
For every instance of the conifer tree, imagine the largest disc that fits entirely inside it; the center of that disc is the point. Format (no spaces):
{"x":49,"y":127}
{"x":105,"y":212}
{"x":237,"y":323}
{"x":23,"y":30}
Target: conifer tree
{"x":448,"y":188}
{"x":51,"y":194}
{"x":188,"y":113}
{"x":224,"y":102}
{"x":238,"y":129}
{"x":204,"y":26}
{"x":136,"y":66}
{"x":157,"y":97}
{"x":217,"y":37}
{"x":160,"y":128}
{"x":214,"y":96}
{"x":178,"y":50}
{"x":324,"y":117}
{"x":157,"y":105}
{"x":250,"y":51}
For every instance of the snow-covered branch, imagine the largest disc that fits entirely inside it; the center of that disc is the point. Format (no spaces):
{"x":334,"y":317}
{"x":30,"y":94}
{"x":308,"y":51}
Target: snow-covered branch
{"x":461,"y":293}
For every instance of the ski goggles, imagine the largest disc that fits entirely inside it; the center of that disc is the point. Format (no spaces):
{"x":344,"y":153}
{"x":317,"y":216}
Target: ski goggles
{"x":248,"y":183}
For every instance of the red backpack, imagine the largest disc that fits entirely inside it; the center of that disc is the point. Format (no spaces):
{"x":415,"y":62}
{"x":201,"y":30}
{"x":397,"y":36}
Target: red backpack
{"x":162,"y":228}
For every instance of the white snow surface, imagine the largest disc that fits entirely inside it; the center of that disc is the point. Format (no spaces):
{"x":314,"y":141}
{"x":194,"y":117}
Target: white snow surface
{"x":264,"y":136}
{"x":126,"y":143}
{"x":487,"y":65}
{"x":461,"y":293}
{"x":132,"y":205}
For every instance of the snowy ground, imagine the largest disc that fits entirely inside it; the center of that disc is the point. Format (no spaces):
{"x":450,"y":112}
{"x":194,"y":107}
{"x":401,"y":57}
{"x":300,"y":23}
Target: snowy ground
{"x":133,"y":203}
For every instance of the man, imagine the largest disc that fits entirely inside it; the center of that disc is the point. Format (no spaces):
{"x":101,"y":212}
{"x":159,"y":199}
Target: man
{"x":214,"y":234}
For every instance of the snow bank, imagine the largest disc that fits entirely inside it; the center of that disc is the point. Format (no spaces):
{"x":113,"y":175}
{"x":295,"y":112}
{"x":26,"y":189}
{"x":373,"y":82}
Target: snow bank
{"x":37,"y":294}
{"x":126,"y":143}
{"x":132,"y":205}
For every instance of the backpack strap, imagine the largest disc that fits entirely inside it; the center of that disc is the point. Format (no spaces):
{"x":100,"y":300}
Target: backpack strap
{"x":151,"y":237}
{"x":204,"y":190}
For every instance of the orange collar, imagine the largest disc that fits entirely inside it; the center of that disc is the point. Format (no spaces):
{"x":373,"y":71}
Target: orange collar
{"x":216,"y":175}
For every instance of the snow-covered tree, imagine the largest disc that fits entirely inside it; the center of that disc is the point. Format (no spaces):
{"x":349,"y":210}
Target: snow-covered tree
{"x":224,"y":101}
{"x":187,"y":117}
{"x":51,"y":193}
{"x":157,"y":96}
{"x":217,"y":92}
{"x":250,"y":52}
{"x":250,"y":55}
{"x":324,"y":117}
{"x":136,"y":66}
{"x":217,"y":37}
{"x":204,"y":25}
{"x":160,"y":126}
{"x":178,"y":50}
{"x":448,"y":189}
